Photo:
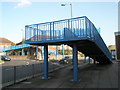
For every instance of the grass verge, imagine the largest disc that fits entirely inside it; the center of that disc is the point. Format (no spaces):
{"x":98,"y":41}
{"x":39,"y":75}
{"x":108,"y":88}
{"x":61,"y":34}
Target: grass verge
{"x":1,"y":62}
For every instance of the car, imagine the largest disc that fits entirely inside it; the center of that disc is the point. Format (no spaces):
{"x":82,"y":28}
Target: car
{"x":68,"y":57}
{"x":5,"y":58}
{"x":63,"y":61}
{"x":113,"y":58}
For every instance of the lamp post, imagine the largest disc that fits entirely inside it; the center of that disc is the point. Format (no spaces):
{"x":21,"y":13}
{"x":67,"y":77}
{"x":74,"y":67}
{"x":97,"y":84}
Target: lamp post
{"x":75,"y":53}
{"x":22,"y":34}
{"x":22,"y":42}
{"x":70,"y":8}
{"x":70,"y":12}
{"x":71,"y":23}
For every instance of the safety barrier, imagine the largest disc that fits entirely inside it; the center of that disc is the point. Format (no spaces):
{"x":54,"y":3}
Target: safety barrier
{"x":14,"y":74}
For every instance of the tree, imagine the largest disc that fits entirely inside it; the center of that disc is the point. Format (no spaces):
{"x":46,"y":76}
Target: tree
{"x":23,"y":41}
{"x":12,"y":44}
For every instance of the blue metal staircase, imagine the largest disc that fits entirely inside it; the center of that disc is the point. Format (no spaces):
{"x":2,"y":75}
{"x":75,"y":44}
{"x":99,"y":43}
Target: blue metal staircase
{"x":78,"y":30}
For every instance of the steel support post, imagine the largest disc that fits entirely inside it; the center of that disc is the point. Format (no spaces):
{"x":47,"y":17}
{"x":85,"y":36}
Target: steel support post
{"x":84,"y":58}
{"x":45,"y":62}
{"x":75,"y":62}
{"x":88,"y":60}
{"x":42,"y":52}
{"x":62,"y":50}
{"x":22,"y":52}
{"x":36,"y":52}
{"x":94,"y":63}
{"x":56,"y":52}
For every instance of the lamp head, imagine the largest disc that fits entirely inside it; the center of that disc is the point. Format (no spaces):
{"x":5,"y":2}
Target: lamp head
{"x":63,"y":4}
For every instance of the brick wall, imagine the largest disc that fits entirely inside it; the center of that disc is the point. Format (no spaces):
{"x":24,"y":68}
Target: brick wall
{"x":118,"y":46}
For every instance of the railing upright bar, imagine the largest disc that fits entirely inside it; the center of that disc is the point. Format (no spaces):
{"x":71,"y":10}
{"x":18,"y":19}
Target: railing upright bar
{"x":89,"y":28}
{"x":53,"y":30}
{"x":85,"y":20}
{"x":25,"y":32}
{"x":37,"y":32}
{"x":68,"y":28}
{"x":50,"y":32}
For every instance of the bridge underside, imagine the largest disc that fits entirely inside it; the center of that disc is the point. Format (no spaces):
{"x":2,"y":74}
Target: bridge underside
{"x":87,"y":47}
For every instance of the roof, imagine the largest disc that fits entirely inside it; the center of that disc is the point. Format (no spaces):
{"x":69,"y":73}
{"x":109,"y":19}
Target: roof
{"x":4,"y":40}
{"x":117,"y":33}
{"x":111,"y":47}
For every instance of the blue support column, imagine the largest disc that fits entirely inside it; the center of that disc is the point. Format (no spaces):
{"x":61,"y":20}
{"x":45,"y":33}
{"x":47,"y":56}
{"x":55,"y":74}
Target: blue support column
{"x":94,"y":63}
{"x":75,"y":63}
{"x":22,"y":52}
{"x":84,"y":58}
{"x":36,"y":52}
{"x":42,"y":52}
{"x":89,"y":60}
{"x":45,"y":62}
{"x":56,"y":52}
{"x":63,"y":51}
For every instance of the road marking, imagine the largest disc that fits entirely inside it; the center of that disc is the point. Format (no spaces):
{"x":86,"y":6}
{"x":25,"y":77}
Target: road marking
{"x":33,"y":60}
{"x":27,"y":63}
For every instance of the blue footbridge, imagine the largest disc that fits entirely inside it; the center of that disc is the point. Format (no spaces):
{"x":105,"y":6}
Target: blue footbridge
{"x":78,"y":33}
{"x":22,"y":46}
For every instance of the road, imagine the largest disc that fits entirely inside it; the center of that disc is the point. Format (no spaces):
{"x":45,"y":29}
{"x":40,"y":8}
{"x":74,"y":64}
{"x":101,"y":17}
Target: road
{"x":27,"y":62}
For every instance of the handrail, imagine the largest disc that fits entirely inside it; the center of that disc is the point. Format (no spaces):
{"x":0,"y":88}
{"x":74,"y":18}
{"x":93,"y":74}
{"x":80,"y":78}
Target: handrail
{"x":15,"y":47}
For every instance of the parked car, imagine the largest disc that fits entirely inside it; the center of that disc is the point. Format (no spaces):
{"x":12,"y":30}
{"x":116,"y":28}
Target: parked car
{"x":5,"y":58}
{"x":66,"y":59}
{"x":63,"y":61}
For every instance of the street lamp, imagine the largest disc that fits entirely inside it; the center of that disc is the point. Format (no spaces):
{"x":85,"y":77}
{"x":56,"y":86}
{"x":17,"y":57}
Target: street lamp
{"x":70,"y":12}
{"x":68,"y":22}
{"x":22,"y":41}
{"x":22,"y":34}
{"x":70,"y":8}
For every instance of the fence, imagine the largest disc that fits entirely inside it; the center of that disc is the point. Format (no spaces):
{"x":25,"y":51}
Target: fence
{"x":14,"y":74}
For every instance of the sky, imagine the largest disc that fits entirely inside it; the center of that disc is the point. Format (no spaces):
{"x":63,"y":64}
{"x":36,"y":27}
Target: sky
{"x":15,"y":15}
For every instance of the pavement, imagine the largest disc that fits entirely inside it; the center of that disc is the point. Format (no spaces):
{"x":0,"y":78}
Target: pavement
{"x":101,"y":76}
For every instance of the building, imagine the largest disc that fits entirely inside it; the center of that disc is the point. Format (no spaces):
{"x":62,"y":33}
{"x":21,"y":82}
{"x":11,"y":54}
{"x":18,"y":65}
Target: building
{"x":5,"y":43}
{"x":117,"y":40}
{"x":112,"y":49}
{"x":30,"y":52}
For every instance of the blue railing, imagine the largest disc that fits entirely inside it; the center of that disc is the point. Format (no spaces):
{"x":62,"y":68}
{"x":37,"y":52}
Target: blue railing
{"x":15,"y":47}
{"x":65,"y":30}
{"x":98,"y":39}
{"x":58,"y":30}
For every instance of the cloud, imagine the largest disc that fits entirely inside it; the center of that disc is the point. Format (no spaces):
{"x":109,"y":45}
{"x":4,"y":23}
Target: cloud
{"x":23,"y":3}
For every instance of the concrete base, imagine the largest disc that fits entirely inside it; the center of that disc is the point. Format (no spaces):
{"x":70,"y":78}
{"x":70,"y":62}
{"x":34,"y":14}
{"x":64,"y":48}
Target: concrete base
{"x":75,"y":80}
{"x":45,"y":78}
